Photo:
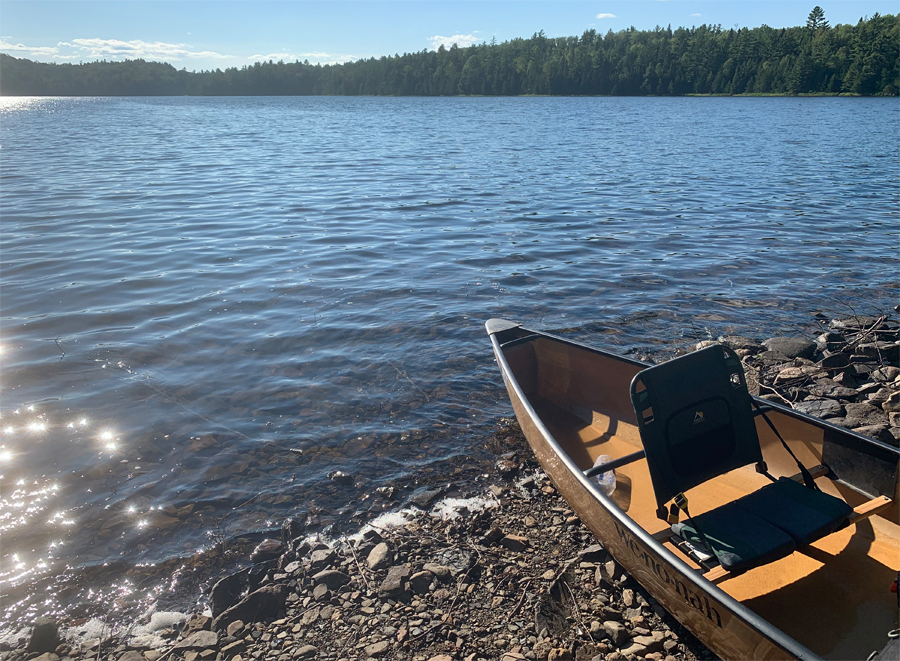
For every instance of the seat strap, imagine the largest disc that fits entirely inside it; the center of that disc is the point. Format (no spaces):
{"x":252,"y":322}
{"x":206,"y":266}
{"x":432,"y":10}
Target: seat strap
{"x":681,"y":502}
{"x":807,"y":476}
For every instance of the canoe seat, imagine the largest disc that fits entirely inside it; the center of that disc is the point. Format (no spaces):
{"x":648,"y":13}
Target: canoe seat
{"x":696,"y":422}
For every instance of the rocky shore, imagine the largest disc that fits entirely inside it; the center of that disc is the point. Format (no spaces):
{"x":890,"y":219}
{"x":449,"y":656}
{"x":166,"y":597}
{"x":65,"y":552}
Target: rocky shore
{"x":511,"y":574}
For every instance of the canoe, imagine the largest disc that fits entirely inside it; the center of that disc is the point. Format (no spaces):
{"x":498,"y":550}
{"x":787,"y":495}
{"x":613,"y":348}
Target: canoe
{"x":831,"y":599}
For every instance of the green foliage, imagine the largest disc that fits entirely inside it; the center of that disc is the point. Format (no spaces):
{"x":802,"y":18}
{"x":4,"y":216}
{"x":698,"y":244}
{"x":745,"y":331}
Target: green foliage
{"x":858,"y":59}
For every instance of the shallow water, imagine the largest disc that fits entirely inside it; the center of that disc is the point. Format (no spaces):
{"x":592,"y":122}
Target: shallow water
{"x":208,"y":305}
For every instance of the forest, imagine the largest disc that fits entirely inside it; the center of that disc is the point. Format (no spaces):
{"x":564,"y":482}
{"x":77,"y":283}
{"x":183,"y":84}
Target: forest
{"x":815,"y":58}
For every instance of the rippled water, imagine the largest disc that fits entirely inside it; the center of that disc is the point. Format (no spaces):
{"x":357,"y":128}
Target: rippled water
{"x":208,"y":305}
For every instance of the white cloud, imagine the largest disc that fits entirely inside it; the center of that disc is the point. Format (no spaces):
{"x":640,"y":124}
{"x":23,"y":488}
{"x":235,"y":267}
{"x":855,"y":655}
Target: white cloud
{"x":696,"y":14}
{"x":5,"y":47}
{"x":606,"y":15}
{"x":116,"y":49}
{"x":461,"y":40}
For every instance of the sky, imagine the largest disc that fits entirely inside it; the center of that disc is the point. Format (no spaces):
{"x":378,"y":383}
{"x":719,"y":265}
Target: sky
{"x":216,"y":34}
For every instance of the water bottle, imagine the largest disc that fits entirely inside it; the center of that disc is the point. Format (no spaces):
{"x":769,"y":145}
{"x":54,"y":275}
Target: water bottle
{"x":606,"y":481}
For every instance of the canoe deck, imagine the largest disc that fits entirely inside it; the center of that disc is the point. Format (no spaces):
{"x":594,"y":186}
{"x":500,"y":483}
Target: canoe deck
{"x":832,"y":597}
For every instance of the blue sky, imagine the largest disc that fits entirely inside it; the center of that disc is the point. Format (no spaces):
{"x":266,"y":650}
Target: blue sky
{"x":213,"y":34}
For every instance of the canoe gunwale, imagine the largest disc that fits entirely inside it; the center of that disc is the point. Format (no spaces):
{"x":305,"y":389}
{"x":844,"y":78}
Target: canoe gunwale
{"x":764,"y":628}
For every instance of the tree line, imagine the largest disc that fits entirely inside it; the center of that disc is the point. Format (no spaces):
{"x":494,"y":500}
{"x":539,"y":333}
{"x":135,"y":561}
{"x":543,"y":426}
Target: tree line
{"x":814,"y":58}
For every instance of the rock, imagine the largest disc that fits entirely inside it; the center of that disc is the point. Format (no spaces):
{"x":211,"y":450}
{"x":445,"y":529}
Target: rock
{"x":652,"y":643}
{"x":291,"y":529}
{"x":789,"y":374}
{"x":306,"y":652}
{"x":44,"y":637}
{"x":830,"y":341}
{"x":892,"y":405}
{"x":46,"y":656}
{"x":321,"y":558}
{"x":379,"y":557}
{"x":441,"y":657}
{"x":633,"y":650}
{"x":394,"y":585}
{"x":377,"y":649}
{"x":739,"y":342}
{"x":196,"y":622}
{"x":831,"y":388}
{"x":263,"y":604}
{"x":593,"y":553}
{"x":132,"y":655}
{"x":425,"y":497}
{"x":820,"y":408}
{"x":199,"y":640}
{"x":331,"y":578}
{"x":863,"y":414}
{"x":791,"y":347}
{"x":879,"y":432}
{"x":226,"y":593}
{"x":268,"y":549}
{"x":506,"y":468}
{"x":441,"y":572}
{"x":886,"y":374}
{"x":234,"y":628}
{"x":293,"y":567}
{"x":340,"y":477}
{"x":559,"y":654}
{"x":491,"y":537}
{"x":880,"y":350}
{"x":514,"y":543}
{"x":617,"y":633}
{"x":231,"y":649}
{"x":421,"y":581}
{"x":321,"y":592}
{"x":703,"y":344}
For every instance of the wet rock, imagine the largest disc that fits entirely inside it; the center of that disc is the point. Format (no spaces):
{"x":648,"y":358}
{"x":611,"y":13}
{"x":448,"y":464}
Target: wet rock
{"x":506,"y":468}
{"x":340,"y":477}
{"x":44,"y":637}
{"x":263,"y":604}
{"x":268,"y":549}
{"x":226,"y":592}
{"x":331,"y":578}
{"x":791,"y":347}
{"x":820,"y":408}
{"x":425,"y":497}
{"x":198,"y":640}
{"x":379,"y":557}
{"x":292,"y":529}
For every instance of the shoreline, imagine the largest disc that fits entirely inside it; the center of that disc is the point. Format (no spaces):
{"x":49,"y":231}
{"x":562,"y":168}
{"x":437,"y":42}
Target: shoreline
{"x":449,"y":569}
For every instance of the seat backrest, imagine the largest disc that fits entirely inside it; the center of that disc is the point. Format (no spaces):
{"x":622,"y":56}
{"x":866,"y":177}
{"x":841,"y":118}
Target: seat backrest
{"x":695,"y":418}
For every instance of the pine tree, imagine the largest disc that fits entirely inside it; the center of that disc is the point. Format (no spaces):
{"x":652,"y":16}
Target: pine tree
{"x":816,"y":19}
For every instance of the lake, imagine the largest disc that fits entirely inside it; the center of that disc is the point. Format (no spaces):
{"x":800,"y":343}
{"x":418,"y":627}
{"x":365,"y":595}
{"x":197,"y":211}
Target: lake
{"x":209,"y":305}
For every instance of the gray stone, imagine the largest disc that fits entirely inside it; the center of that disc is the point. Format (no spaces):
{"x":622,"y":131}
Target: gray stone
{"x":196,"y":622}
{"x":321,"y":592}
{"x":441,"y":572}
{"x":234,"y":628}
{"x":863,"y":414}
{"x":379,"y":557}
{"x":263,"y":604}
{"x":377,"y":649}
{"x":293,"y":567}
{"x":425,"y":497}
{"x":45,"y":636}
{"x":306,"y":652}
{"x":831,"y":388}
{"x":617,"y":633}
{"x":394,"y":585}
{"x":879,"y":432}
{"x":421,"y":581}
{"x":886,"y":374}
{"x":331,"y":578}
{"x":268,"y":549}
{"x":880,"y":350}
{"x":892,"y":405}
{"x":321,"y":558}
{"x":47,"y":656}
{"x":820,"y":408}
{"x":514,"y":543}
{"x":792,"y":347}
{"x":740,"y":342}
{"x":232,"y":649}
{"x":226,"y":593}
{"x":199,"y":640}
{"x":132,"y":655}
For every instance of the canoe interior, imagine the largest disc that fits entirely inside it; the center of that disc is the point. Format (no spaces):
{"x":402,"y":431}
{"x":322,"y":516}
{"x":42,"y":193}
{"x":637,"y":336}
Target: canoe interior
{"x":832,"y":597}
